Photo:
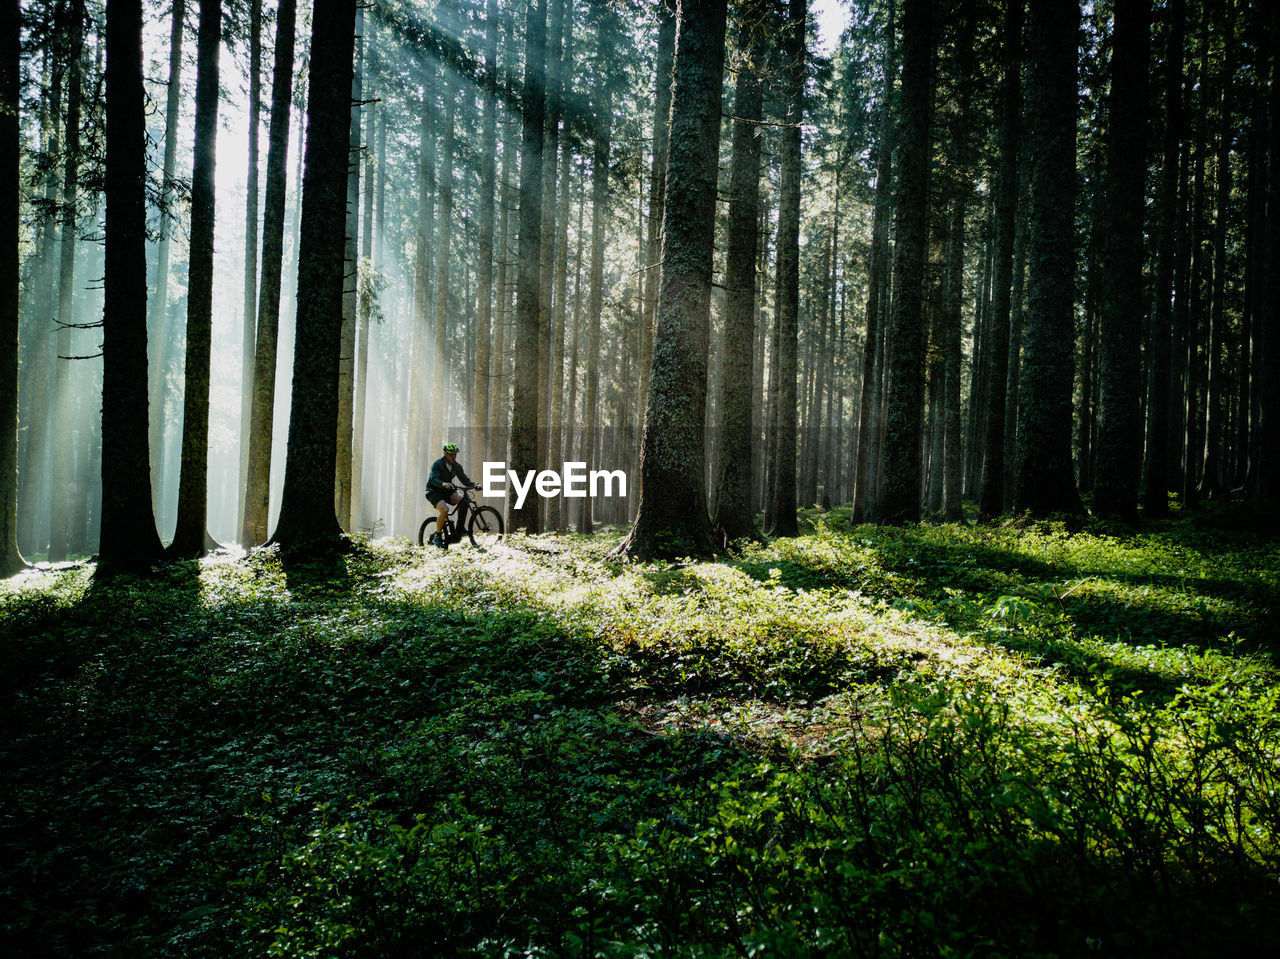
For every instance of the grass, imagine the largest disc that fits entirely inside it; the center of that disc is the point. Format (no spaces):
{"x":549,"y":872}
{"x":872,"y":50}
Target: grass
{"x":940,"y":740}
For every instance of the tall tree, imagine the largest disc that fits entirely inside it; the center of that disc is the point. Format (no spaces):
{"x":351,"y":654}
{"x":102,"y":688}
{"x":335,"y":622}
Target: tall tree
{"x":10,"y":148}
{"x":1045,"y":483}
{"x":1119,"y":447}
{"x":190,"y":537}
{"x":898,"y":485}
{"x":731,"y":508}
{"x":129,"y":539}
{"x":1155,"y":498}
{"x":308,"y":520}
{"x":787,"y":303}
{"x":486,"y":365}
{"x":877,"y":267}
{"x":672,"y":519}
{"x":64,"y":437}
{"x":524,"y":412}
{"x":262,"y":414}
{"x":994,"y":441}
{"x":250,"y":303}
{"x":158,"y":309}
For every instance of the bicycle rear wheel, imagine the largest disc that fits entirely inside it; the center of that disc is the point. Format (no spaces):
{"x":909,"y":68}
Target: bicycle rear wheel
{"x":426,"y":530}
{"x":485,"y":528}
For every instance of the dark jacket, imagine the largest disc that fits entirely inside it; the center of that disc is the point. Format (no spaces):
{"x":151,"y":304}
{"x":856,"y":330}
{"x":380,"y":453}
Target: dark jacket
{"x":441,"y":473}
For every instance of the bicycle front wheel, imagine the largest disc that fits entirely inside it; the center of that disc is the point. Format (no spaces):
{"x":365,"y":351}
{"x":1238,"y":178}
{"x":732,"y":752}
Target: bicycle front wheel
{"x":426,"y":530}
{"x":485,"y":528}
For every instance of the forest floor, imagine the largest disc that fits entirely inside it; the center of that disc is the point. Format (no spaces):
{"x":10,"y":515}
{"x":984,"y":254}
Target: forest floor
{"x":938,"y":740}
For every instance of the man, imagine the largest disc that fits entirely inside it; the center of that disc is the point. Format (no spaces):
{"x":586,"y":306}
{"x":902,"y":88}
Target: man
{"x":443,"y":492}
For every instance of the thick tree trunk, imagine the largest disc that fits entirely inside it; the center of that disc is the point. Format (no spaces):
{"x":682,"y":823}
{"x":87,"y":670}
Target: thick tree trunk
{"x":1045,"y":481}
{"x":262,"y":412}
{"x":10,"y":149}
{"x":524,"y":414}
{"x":672,"y":519}
{"x":416,"y":462}
{"x":190,"y":537}
{"x":898,"y":486}
{"x":307,"y":517}
{"x":129,"y":539}
{"x":663,"y":65}
{"x":1119,"y":449}
{"x":731,"y":511}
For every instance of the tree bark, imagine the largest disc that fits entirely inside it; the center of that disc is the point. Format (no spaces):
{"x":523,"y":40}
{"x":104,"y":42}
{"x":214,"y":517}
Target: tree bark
{"x":898,"y":486}
{"x":190,"y":537}
{"x":992,"y":499}
{"x":250,"y":246}
{"x":1045,"y":481}
{"x":731,"y":511}
{"x":1155,"y":499}
{"x":11,"y":560}
{"x":128,"y":539}
{"x":351,"y":273}
{"x":524,"y":415}
{"x":308,"y":521}
{"x":483,"y":389}
{"x":1119,"y":449}
{"x":262,"y":411}
{"x":672,"y":520}
{"x":787,"y":305}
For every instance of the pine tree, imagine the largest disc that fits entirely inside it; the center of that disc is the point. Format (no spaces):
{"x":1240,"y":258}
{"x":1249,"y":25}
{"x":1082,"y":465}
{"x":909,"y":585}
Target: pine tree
{"x":128,"y":539}
{"x":672,"y":519}
{"x":1045,"y":481}
{"x":308,"y":521}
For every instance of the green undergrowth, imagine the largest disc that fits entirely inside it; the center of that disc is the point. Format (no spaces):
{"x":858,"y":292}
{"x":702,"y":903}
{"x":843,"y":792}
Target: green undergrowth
{"x":931,"y":741}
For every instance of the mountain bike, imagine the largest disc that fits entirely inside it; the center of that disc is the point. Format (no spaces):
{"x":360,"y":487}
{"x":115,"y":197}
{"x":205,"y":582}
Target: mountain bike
{"x":484,"y":525}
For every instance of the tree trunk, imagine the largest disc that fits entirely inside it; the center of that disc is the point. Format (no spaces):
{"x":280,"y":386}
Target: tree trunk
{"x":64,"y":438}
{"x":1119,"y":449}
{"x":262,"y":412}
{"x":351,"y":273}
{"x":129,"y":539}
{"x":190,"y":537}
{"x":442,"y":368}
{"x":992,"y":499}
{"x":307,"y":517}
{"x":250,"y":246}
{"x":731,"y":511}
{"x":898,"y":486}
{"x":599,"y":200}
{"x":663,"y":65}
{"x":524,"y":414}
{"x":485,"y":362}
{"x":365,"y":305}
{"x":1155,"y":498}
{"x":1043,"y":453}
{"x":10,"y":149}
{"x":672,"y":520}
{"x":1211,"y":478}
{"x":787,"y":304}
{"x":878,"y":260}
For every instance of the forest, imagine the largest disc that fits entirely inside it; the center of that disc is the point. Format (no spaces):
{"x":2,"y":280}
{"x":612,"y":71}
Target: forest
{"x":916,"y":592}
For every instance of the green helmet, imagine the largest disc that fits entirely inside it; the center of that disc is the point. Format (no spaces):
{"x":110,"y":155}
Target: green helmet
{"x":451,"y":447}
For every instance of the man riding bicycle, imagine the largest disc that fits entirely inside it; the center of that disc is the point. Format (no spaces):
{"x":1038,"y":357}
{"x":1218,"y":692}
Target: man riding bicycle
{"x":442,"y":492}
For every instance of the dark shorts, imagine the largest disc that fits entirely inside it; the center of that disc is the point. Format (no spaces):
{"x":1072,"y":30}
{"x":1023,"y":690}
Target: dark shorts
{"x":435,"y":497}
